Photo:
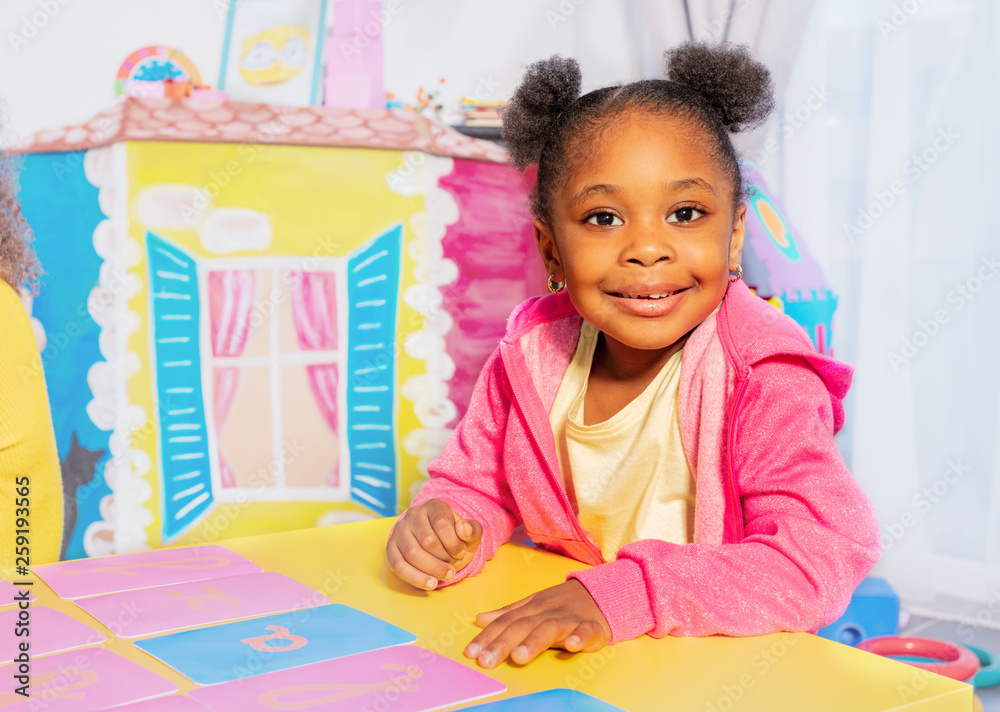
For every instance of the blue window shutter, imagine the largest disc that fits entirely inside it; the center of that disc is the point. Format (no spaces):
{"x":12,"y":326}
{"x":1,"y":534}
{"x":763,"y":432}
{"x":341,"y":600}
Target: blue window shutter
{"x":373,"y":296}
{"x":185,"y":463}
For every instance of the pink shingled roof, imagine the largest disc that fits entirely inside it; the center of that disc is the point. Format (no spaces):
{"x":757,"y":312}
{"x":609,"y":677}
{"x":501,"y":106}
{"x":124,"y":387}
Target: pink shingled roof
{"x":137,"y":119}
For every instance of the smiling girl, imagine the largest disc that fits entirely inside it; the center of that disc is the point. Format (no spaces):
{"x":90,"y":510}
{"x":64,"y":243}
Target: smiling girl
{"x":651,"y":416}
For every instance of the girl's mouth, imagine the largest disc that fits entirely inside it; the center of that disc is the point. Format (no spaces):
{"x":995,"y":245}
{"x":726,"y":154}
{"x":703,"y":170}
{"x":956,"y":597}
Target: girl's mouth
{"x":650,"y":304}
{"x":662,"y":295}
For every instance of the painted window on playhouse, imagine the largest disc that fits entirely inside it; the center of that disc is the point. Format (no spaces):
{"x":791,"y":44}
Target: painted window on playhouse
{"x":274,"y":362}
{"x":274,"y":381}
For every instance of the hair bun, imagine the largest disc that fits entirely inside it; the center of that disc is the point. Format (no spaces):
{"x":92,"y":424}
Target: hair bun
{"x":736,"y":86}
{"x":548,"y":87}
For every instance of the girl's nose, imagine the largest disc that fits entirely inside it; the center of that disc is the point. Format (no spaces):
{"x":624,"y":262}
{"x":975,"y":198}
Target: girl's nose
{"x":647,"y":247}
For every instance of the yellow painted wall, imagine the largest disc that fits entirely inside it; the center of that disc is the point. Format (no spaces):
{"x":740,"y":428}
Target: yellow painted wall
{"x":322,"y":202}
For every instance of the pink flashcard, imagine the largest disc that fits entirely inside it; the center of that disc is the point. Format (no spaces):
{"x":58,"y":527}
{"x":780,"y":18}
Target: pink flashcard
{"x":79,"y":681}
{"x":173,"y":703}
{"x":127,"y":572}
{"x":404,"y":678}
{"x":48,"y":631}
{"x":11,"y":594}
{"x":130,"y":614}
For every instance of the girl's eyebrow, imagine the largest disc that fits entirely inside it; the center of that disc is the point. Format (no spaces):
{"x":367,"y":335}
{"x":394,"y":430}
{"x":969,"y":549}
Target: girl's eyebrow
{"x":606,"y":189}
{"x":685,"y":183}
{"x":600,"y":188}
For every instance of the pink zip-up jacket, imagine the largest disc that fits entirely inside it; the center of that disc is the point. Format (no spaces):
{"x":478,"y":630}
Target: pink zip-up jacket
{"x":782,"y":534}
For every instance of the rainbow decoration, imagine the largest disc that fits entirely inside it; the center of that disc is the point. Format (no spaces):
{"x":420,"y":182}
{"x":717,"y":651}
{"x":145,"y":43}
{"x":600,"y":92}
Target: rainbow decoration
{"x":156,"y":63}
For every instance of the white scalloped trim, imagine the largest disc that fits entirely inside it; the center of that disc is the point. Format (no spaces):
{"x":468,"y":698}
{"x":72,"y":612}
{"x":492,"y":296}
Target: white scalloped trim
{"x":429,"y":391}
{"x":124,"y":517}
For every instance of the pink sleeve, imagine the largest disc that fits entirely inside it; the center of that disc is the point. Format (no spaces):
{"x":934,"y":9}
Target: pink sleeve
{"x":468,"y":474}
{"x":810,"y":534}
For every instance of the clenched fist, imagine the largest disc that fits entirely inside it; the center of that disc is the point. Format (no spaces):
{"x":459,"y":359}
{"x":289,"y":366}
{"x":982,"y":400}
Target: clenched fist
{"x":431,"y":543}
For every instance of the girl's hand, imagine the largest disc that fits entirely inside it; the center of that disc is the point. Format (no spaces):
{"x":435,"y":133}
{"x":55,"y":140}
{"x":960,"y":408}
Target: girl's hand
{"x":430,"y":543}
{"x":564,"y":616}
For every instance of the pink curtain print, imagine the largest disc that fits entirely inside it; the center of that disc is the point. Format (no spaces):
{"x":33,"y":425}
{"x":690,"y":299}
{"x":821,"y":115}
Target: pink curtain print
{"x":231,"y":295}
{"x":314,"y":309}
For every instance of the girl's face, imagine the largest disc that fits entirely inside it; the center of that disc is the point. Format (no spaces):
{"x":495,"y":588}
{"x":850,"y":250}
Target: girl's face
{"x":644,"y":235}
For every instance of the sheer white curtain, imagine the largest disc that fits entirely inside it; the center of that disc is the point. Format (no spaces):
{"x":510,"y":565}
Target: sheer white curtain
{"x":884,"y":151}
{"x":887,"y":160}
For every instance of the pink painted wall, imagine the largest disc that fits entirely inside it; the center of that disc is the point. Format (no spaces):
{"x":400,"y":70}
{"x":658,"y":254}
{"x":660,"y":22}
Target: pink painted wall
{"x":493,"y":245}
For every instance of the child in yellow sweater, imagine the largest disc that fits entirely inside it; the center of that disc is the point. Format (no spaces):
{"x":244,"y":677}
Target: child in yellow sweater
{"x":31,"y":502}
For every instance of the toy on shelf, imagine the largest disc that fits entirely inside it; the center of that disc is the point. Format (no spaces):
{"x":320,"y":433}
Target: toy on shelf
{"x":150,"y":68}
{"x":161,"y":72}
{"x":873,"y":611}
{"x":429,"y":102}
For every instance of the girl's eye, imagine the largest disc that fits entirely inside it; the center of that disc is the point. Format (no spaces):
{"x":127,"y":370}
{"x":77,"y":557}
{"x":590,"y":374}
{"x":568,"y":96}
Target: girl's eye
{"x":605,"y":220}
{"x":684,"y":215}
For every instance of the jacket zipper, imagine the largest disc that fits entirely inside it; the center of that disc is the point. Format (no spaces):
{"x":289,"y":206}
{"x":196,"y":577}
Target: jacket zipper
{"x":733,"y":530}
{"x":518,"y":384}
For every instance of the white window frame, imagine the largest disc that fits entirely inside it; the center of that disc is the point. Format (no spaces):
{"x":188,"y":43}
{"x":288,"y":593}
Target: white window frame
{"x":279,"y":491}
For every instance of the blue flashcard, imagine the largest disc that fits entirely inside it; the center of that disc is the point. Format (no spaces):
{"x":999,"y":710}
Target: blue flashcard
{"x":231,"y":651}
{"x":560,"y":700}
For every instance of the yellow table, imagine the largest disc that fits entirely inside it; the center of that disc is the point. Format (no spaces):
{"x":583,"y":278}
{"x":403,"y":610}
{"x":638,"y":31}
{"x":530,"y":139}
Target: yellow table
{"x":762,"y":674}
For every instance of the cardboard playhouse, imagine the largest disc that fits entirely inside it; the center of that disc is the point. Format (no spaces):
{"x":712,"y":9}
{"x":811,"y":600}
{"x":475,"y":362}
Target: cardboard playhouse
{"x":258,"y":318}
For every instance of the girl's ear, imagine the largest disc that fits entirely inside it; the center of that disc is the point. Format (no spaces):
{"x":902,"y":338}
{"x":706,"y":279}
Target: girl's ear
{"x":739,"y":232}
{"x":547,"y":249}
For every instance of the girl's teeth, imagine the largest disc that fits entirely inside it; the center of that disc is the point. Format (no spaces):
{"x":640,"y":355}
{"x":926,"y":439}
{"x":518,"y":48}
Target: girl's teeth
{"x":651,"y":296}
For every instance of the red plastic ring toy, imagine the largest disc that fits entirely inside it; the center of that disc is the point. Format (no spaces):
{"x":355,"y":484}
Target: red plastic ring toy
{"x":955,"y":661}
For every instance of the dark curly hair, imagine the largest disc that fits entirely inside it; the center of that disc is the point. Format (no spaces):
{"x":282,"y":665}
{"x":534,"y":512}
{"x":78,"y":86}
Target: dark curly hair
{"x":719,"y":89}
{"x":18,"y":265}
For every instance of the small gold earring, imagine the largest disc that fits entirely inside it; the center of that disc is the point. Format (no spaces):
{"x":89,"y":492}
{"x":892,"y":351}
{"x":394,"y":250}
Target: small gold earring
{"x":739,"y":274}
{"x":555,"y":287}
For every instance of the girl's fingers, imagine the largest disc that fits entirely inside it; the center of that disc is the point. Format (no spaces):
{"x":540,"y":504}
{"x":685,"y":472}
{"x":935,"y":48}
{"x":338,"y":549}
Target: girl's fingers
{"x":470,"y":531}
{"x":494,"y":644}
{"x":414,"y":554}
{"x":443,"y":530}
{"x":407,"y":572}
{"x":586,"y":637}
{"x":485,"y":619}
{"x":425,"y":534}
{"x":546,"y":634}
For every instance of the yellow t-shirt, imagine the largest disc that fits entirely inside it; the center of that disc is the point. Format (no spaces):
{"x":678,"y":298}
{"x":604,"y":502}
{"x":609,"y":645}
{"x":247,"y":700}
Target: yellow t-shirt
{"x":627,"y":477}
{"x":27,"y":442}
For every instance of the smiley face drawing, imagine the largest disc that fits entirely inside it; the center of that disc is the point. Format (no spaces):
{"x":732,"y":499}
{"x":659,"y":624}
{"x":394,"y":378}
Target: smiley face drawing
{"x":274,"y":56}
